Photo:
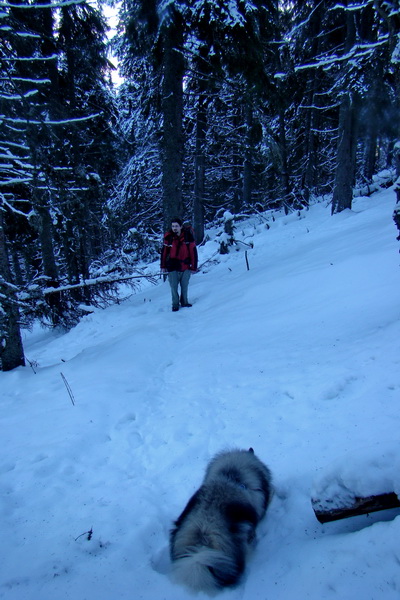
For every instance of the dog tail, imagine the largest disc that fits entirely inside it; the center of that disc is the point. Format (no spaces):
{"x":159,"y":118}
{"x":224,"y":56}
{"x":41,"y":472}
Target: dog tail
{"x":207,"y":570}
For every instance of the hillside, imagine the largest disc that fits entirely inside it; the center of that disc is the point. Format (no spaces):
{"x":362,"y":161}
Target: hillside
{"x":297,"y":357}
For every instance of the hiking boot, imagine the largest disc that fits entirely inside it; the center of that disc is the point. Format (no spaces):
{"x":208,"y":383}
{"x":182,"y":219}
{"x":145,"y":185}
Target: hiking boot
{"x":175,"y":308}
{"x":187,"y":305}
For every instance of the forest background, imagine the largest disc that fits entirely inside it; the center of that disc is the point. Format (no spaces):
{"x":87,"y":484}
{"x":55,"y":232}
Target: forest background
{"x":237,"y":106}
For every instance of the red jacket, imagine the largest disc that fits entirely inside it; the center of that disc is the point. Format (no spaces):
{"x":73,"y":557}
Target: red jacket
{"x":179,"y":253}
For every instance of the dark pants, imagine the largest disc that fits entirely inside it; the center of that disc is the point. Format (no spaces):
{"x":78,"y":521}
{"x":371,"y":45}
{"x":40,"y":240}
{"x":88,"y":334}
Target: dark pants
{"x":175,"y":279}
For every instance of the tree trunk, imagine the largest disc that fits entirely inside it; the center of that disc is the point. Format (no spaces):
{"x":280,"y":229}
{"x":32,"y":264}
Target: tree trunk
{"x":248,"y":154}
{"x":369,"y":165}
{"x":236,"y":169}
{"x":201,"y":131}
{"x":396,"y":213}
{"x":172,"y":110}
{"x":200,"y":172}
{"x":50,"y":270}
{"x":344,"y":174}
{"x":312,"y":157}
{"x":11,"y":350}
{"x":285,"y":187}
{"x":372,"y":118}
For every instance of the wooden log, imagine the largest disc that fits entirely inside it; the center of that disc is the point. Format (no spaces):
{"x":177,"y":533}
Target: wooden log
{"x":328,"y":510}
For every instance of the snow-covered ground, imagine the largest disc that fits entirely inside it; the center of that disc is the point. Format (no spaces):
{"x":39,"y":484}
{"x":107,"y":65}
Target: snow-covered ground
{"x":298,"y":357}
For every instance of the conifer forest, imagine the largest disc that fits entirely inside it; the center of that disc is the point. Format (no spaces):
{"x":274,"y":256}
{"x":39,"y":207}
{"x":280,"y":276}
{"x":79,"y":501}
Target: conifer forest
{"x":240,"y":106}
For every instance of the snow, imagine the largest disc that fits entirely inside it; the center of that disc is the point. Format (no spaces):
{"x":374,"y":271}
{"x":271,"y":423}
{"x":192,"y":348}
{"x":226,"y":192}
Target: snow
{"x":297,"y":357}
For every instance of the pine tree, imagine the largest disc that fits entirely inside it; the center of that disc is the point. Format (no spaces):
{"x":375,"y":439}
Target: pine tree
{"x":11,"y":351}
{"x":86,"y":161}
{"x":56,"y":152}
{"x":155,"y":31}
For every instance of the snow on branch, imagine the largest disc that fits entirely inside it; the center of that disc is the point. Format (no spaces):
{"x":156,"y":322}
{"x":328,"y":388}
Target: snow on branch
{"x":15,"y":145}
{"x":61,"y":122}
{"x":24,"y":34}
{"x":25,"y":80}
{"x":358,"y":51}
{"x":352,"y":7}
{"x":13,"y":209}
{"x":5,"y":154}
{"x":16,"y":180}
{"x":302,"y":24}
{"x":40,"y":6}
{"x":19,"y":96}
{"x":29,"y":58}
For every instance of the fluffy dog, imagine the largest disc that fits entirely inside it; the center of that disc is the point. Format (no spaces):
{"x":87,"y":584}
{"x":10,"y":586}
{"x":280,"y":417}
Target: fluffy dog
{"x":212,"y":536}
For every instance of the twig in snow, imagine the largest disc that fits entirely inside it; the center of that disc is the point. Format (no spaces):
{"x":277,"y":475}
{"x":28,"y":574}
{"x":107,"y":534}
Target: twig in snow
{"x":71,"y":395}
{"x":89,"y":534}
{"x":251,"y":245}
{"x":32,"y":364}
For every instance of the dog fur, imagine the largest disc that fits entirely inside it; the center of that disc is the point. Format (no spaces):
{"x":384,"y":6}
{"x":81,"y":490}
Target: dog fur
{"x":211,"y":538}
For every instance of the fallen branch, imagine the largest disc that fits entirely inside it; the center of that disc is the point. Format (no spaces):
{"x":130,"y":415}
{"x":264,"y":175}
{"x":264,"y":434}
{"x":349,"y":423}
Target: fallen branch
{"x":97,"y":281}
{"x":326,"y":510}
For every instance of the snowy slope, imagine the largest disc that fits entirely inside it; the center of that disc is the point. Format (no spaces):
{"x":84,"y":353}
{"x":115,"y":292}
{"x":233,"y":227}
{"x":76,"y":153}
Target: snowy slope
{"x":297,"y":357}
